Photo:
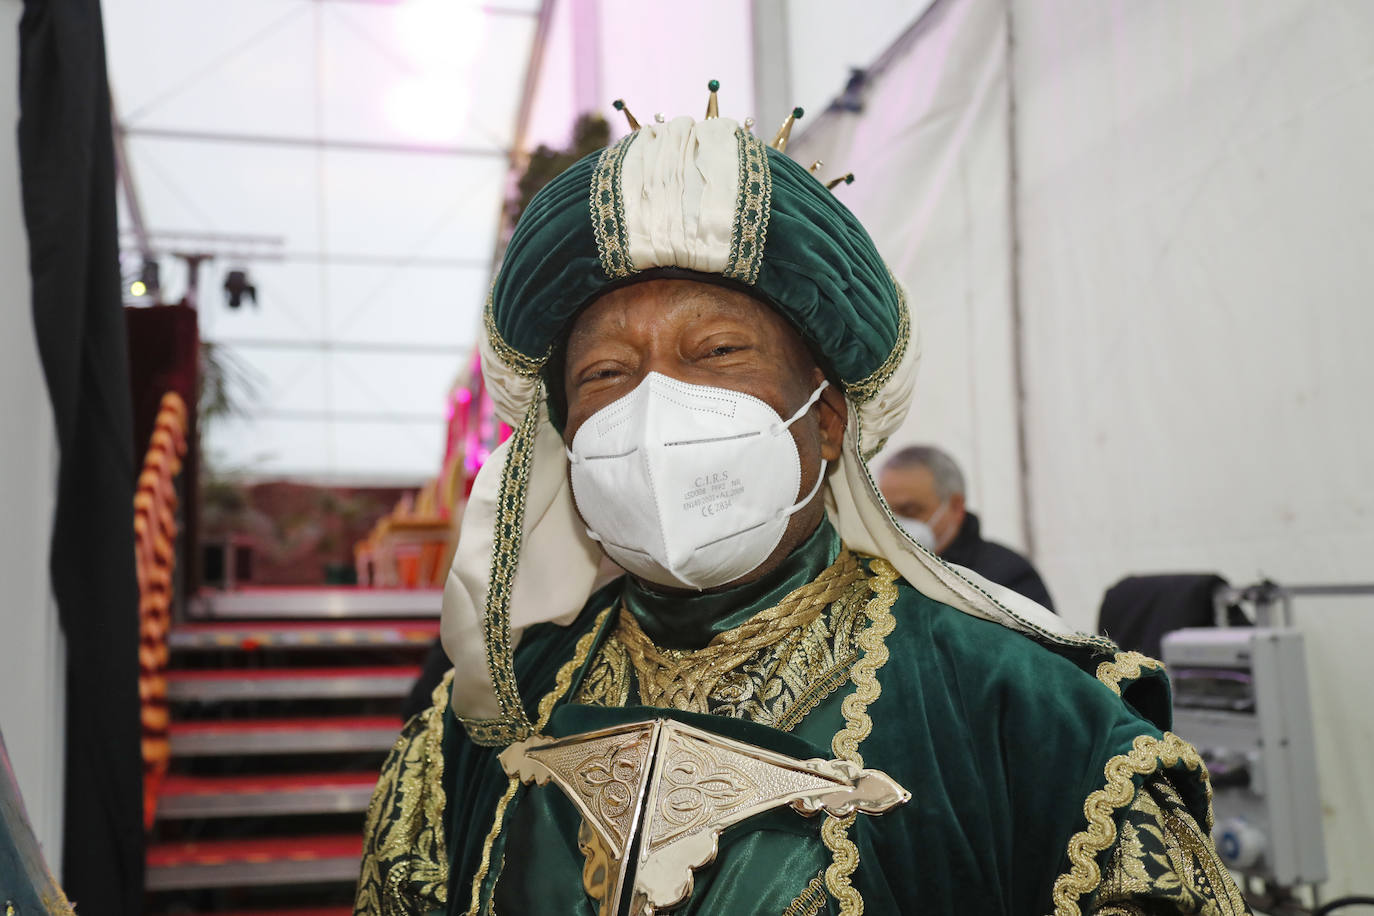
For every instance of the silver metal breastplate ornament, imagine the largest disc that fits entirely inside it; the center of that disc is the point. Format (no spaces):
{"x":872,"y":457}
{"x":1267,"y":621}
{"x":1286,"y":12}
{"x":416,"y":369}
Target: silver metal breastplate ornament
{"x":661,"y":792}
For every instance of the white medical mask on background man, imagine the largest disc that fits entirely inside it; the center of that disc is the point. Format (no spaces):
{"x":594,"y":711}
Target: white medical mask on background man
{"x":923,"y":532}
{"x":688,"y":486}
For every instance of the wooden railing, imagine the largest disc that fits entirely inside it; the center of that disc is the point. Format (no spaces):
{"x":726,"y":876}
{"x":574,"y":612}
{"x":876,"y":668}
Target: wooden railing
{"x":155,"y":535}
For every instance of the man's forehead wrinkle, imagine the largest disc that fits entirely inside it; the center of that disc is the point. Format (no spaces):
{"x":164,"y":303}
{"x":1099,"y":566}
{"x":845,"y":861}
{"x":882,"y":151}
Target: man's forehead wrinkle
{"x":611,"y":315}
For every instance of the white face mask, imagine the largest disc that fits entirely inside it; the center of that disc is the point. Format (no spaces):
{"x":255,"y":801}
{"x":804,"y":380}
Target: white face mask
{"x":923,"y":532}
{"x":688,"y":486}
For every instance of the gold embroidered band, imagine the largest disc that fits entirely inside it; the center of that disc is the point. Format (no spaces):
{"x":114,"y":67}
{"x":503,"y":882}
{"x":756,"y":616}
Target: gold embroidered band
{"x":608,"y":211}
{"x":753,"y":206}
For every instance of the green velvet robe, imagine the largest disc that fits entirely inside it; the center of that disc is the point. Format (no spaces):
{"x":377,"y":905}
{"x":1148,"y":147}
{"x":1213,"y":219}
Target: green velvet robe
{"x":1043,"y":780}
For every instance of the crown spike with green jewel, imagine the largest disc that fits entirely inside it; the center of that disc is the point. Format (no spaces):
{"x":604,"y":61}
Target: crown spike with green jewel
{"x":712,"y":110}
{"x":619,"y":105}
{"x":785,"y":132}
{"x":834,"y":183}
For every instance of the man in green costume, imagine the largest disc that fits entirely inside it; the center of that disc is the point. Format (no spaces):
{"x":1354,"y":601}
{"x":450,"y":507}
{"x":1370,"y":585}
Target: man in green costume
{"x":786,"y":706}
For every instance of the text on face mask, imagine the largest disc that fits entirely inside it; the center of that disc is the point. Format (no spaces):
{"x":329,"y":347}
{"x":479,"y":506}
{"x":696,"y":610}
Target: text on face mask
{"x":712,"y":493}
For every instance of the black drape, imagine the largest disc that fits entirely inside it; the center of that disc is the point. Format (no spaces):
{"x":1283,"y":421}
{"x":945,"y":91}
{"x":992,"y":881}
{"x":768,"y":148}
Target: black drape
{"x":67,"y":167}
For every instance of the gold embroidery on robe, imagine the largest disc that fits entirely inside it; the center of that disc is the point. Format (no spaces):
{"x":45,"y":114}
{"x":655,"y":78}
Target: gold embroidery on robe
{"x":1163,"y":861}
{"x":858,"y":726}
{"x":811,"y":901}
{"x":405,"y":859}
{"x":773,"y":669}
{"x":607,"y":682}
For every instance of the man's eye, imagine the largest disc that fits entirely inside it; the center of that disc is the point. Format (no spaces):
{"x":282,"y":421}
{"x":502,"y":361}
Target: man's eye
{"x":596,"y":375}
{"x":724,"y":350}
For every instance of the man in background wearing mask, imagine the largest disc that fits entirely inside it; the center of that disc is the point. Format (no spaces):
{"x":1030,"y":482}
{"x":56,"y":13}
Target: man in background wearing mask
{"x":925,"y":489}
{"x":784,"y":706}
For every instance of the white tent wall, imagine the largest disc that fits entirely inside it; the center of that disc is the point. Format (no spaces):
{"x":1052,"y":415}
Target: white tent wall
{"x":1194,"y":226}
{"x":32,"y":647}
{"x":1191,"y":212}
{"x":930,"y":154}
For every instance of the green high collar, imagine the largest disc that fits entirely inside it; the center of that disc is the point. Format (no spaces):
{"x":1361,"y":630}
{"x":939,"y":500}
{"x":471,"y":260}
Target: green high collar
{"x":677,"y":621}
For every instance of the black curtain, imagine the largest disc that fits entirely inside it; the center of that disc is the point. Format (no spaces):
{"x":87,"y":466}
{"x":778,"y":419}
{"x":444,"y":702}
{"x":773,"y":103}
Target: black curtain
{"x":67,"y":167}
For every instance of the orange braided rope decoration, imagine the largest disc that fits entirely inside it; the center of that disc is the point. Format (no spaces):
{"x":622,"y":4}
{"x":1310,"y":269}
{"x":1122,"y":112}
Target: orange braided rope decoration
{"x":155,"y":534}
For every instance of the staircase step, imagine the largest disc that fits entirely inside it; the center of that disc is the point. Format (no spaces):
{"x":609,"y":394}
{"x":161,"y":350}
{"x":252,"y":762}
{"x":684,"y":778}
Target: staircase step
{"x":290,"y":683}
{"x":243,"y":862}
{"x":284,"y":736}
{"x":325,"y":634}
{"x":319,"y":602}
{"x":242,"y":796}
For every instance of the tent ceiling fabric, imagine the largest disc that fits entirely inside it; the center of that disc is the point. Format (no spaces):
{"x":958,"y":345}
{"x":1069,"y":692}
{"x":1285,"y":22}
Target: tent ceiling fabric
{"x":352,"y":155}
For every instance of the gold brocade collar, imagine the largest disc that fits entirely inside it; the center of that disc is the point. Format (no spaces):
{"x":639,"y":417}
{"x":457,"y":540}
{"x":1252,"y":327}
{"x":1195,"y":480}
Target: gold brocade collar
{"x":687,"y":678}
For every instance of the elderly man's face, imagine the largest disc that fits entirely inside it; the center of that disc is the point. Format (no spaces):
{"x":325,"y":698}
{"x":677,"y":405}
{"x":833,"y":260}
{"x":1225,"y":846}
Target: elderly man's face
{"x":911,"y":492}
{"x":705,"y":335}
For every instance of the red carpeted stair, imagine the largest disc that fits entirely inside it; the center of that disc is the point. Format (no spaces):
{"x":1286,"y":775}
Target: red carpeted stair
{"x":279,"y":725}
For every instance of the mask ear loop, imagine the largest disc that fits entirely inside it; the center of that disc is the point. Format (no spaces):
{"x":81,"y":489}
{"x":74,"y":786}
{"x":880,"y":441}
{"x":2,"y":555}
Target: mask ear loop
{"x":820,"y":479}
{"x":801,"y":411}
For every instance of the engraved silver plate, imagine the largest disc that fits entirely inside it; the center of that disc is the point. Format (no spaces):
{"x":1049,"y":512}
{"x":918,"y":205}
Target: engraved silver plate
{"x":665,"y":791}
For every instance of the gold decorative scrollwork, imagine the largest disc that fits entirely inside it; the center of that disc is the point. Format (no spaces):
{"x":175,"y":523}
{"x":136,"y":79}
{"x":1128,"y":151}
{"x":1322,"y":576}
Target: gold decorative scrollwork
{"x":858,"y":726}
{"x":1125,"y":666}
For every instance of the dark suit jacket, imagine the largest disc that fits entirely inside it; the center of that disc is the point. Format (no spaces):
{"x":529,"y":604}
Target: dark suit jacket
{"x":996,"y":562}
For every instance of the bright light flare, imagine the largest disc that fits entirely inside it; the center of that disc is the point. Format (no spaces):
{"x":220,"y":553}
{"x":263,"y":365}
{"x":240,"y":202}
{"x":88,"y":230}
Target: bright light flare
{"x":138,"y":288}
{"x":441,"y":40}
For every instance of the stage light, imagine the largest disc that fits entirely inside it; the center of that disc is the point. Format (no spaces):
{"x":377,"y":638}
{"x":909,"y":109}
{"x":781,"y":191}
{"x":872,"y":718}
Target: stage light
{"x":150,"y":276}
{"x":138,"y":288}
{"x":236,"y":286}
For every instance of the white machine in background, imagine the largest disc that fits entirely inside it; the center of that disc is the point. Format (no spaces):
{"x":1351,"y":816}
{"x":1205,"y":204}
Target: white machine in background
{"x":1241,"y":698}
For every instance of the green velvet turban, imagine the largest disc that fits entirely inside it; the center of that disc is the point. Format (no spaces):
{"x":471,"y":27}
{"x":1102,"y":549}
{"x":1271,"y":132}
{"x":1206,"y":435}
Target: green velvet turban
{"x":709,"y":198}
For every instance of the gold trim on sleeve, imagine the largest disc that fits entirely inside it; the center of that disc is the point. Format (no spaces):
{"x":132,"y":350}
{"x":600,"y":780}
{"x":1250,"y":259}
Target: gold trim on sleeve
{"x":1147,"y":755}
{"x":858,"y":726}
{"x":811,"y":901}
{"x":1125,"y":666}
{"x":1162,"y":861}
{"x":405,"y":855}
{"x":560,"y":686}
